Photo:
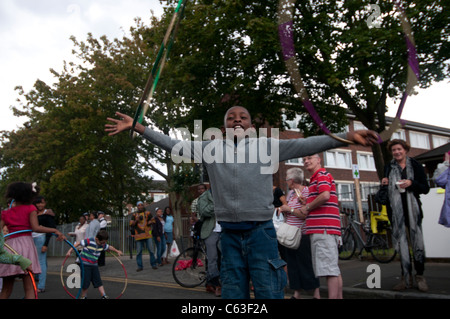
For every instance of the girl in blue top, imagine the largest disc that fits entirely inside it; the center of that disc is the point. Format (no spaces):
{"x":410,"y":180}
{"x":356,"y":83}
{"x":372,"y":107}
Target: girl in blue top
{"x":168,"y":231}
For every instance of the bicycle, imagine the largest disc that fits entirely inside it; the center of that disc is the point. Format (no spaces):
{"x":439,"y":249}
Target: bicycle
{"x":190,"y":266}
{"x":377,"y":242}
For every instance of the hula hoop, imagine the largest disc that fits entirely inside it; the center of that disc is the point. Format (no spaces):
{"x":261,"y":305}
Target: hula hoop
{"x":158,"y":65}
{"x":69,"y":243}
{"x":125,"y":272}
{"x":286,"y":35}
{"x":34,"y":284}
{"x":62,"y":278}
{"x":123,"y":267}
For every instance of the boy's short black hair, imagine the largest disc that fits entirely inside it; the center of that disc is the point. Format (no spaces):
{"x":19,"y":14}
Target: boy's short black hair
{"x":102,"y":235}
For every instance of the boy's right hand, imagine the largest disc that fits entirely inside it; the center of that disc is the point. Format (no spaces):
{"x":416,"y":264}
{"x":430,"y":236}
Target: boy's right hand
{"x":125,"y":123}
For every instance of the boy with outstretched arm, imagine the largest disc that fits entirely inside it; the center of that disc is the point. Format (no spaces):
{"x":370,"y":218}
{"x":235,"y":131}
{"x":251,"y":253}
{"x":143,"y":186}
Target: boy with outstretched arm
{"x":92,"y":248}
{"x":241,"y":185}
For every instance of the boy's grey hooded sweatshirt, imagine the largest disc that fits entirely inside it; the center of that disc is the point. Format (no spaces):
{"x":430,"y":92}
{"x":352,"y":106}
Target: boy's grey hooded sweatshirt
{"x":241,"y":175}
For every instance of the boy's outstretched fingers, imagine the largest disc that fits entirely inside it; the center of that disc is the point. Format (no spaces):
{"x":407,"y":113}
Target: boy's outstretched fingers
{"x":118,"y":125}
{"x":364,"y":137}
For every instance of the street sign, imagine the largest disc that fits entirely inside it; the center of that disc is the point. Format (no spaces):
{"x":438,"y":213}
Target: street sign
{"x":355,"y":171}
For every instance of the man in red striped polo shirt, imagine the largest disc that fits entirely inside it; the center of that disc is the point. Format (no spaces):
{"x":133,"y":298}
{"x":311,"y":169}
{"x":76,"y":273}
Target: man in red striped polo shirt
{"x":323,"y":224}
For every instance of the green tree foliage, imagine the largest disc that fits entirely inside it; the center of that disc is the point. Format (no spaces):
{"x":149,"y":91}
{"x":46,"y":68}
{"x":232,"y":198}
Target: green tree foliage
{"x":229,"y":51}
{"x":63,"y":145}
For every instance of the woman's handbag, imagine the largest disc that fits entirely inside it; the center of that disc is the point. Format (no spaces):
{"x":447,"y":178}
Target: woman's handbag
{"x":289,"y":236}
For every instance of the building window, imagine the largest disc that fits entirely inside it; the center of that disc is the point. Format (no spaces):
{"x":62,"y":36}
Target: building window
{"x":158,"y":197}
{"x":439,"y":140}
{"x":292,"y":124}
{"x":368,"y":189}
{"x":295,"y":161}
{"x":419,"y":140}
{"x":358,"y":126}
{"x":338,"y":159}
{"x":366,"y":162}
{"x":345,"y":191}
{"x":399,"y":135}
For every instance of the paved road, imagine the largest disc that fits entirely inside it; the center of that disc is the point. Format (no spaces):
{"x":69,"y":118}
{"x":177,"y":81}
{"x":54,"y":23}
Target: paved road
{"x":147,"y":284}
{"x":159,"y":284}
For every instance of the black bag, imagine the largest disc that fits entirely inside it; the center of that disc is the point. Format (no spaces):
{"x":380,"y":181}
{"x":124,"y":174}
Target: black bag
{"x":382,"y":196}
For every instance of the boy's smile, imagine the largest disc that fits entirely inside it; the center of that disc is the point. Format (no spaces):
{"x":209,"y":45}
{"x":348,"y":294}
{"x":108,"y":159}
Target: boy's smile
{"x":238,"y":119}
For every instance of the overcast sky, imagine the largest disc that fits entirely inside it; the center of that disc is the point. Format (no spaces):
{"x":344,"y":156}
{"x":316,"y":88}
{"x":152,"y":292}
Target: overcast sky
{"x":35,"y":37}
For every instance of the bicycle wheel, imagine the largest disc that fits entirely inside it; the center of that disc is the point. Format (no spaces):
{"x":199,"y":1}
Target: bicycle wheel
{"x":189,"y":268}
{"x":348,"y":247}
{"x":381,"y":248}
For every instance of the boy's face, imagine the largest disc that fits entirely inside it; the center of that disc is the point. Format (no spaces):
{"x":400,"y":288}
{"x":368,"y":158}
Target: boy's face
{"x":100,"y":242}
{"x":238,"y":119}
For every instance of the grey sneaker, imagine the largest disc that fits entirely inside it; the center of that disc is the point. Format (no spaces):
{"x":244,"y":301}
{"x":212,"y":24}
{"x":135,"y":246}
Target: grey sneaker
{"x":421,"y":283}
{"x":402,"y":285}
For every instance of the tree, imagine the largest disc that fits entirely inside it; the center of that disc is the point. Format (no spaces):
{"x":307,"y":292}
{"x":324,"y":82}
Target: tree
{"x":229,"y":50}
{"x":226,"y":52}
{"x":63,"y":146}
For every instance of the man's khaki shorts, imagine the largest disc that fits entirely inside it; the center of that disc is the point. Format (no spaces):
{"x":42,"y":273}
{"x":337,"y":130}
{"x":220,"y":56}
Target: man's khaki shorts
{"x":325,"y":255}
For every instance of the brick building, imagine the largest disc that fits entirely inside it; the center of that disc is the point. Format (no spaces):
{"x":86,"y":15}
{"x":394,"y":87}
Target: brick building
{"x":338,"y":162}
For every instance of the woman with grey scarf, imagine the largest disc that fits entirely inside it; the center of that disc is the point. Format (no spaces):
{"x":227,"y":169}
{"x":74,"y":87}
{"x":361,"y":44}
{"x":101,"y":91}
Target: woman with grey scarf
{"x":406,"y":180}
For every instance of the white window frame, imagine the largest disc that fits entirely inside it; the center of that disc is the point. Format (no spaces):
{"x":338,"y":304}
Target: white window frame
{"x":295,"y":161}
{"x":439,"y":140}
{"x":370,"y":156}
{"x":399,"y":135}
{"x":158,"y":196}
{"x":358,"y":126}
{"x":341,"y":193}
{"x":292,"y":124}
{"x":416,"y":143}
{"x":334,"y":153}
{"x":367,"y":188}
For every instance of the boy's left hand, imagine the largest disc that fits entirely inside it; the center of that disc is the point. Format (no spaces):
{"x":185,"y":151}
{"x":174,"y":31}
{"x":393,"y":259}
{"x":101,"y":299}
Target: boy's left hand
{"x":363,"y":137}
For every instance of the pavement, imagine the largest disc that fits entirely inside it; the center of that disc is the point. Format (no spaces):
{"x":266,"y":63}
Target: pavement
{"x":362,"y":279}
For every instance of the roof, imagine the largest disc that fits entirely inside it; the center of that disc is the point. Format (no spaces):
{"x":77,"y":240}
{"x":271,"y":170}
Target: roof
{"x":163,"y":203}
{"x":434,"y":154}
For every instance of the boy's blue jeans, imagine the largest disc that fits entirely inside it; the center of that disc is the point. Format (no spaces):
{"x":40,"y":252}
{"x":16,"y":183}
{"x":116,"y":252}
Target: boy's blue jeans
{"x":252,"y":255}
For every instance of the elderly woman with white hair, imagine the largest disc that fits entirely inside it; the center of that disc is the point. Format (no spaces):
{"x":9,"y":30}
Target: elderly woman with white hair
{"x":299,"y":263}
